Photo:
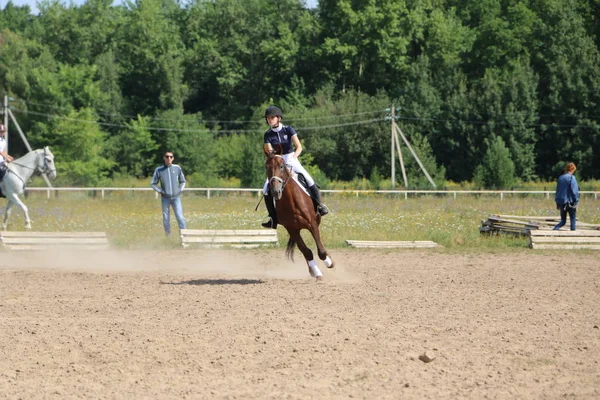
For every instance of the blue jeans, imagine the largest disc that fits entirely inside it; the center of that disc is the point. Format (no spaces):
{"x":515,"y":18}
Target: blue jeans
{"x":563,"y":218}
{"x":177,"y":209}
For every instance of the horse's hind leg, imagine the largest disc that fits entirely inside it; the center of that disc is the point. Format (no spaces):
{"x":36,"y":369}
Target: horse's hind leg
{"x":313,"y":269}
{"x":321,"y":250}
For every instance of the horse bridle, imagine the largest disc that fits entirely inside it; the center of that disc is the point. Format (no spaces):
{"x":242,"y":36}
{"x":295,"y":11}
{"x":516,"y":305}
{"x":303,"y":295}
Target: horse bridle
{"x":42,"y":170}
{"x":45,"y":169}
{"x":276,"y":178}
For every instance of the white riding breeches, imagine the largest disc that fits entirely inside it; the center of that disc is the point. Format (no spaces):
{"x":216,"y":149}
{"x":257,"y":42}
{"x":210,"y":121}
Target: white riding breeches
{"x":296,"y":167}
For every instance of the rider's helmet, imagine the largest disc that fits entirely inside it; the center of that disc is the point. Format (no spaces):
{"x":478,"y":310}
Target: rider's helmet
{"x":273,"y":111}
{"x":2,"y":128}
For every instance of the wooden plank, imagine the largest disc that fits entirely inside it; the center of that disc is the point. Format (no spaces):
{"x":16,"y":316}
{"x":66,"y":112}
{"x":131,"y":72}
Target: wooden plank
{"x":226,"y":232}
{"x":391,"y":244}
{"x":578,"y":233}
{"x":26,"y":234}
{"x":529,"y":218}
{"x":548,"y":221}
{"x":223,"y":245}
{"x":563,"y":239}
{"x":58,"y":247}
{"x":495,"y":219}
{"x":230,"y":239}
{"x":241,"y":238}
{"x":49,"y":240}
{"x":565,"y":247}
{"x":54,"y":240}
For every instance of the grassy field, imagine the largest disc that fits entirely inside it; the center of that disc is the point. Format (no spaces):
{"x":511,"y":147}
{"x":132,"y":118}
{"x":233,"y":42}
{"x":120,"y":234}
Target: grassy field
{"x":133,"y":220}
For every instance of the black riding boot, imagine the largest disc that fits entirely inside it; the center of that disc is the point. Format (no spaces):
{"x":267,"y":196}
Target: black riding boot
{"x":316,"y":197}
{"x":272,"y":223}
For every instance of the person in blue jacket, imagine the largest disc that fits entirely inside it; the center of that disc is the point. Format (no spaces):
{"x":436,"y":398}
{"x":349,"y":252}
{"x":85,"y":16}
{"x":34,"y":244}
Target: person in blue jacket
{"x":567,"y":196}
{"x":172,"y":182}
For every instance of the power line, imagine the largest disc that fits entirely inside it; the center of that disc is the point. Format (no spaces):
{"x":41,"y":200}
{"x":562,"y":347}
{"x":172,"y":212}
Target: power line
{"x":307,"y":128}
{"x":215,"y":121}
{"x":111,"y":125}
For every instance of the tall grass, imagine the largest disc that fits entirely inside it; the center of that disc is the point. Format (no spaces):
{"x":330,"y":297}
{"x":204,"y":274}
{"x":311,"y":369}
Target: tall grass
{"x":133,"y":220}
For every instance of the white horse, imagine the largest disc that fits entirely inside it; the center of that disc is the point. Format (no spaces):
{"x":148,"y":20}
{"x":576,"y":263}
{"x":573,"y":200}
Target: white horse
{"x":18,"y":174}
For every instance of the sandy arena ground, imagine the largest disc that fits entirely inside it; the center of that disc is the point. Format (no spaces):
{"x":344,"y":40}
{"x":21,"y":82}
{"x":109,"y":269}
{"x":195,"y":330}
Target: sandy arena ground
{"x":253,"y":325}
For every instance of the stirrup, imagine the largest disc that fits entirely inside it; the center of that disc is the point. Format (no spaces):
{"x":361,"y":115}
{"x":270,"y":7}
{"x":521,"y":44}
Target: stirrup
{"x":322,"y":209}
{"x":269,"y":224}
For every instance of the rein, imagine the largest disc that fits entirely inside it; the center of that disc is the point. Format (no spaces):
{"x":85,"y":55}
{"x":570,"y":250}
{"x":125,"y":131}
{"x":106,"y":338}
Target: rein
{"x":41,"y":170}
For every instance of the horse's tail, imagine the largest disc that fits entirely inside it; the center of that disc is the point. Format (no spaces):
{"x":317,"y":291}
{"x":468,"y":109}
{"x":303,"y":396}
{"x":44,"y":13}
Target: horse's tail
{"x":289,"y":250}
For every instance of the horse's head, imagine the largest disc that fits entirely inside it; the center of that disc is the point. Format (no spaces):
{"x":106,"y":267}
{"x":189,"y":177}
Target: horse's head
{"x":278,"y":174}
{"x":46,"y":163}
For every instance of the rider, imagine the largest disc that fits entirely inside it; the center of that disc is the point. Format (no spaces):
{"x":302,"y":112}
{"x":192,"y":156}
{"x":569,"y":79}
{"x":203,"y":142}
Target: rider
{"x":284,"y":135}
{"x":4,"y":156}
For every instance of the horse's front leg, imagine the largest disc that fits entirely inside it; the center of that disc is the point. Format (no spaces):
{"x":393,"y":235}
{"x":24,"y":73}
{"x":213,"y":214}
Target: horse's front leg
{"x":322,"y":251}
{"x":313,"y":269}
{"x":13,"y":198}
{"x":6,"y":215}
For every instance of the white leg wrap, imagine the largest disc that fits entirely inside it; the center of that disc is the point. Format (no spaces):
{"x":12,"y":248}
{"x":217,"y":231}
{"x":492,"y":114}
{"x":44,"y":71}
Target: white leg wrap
{"x":328,"y":261}
{"x":312,"y":264}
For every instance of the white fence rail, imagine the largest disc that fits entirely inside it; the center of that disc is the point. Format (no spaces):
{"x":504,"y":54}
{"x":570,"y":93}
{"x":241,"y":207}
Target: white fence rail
{"x":454,"y":193}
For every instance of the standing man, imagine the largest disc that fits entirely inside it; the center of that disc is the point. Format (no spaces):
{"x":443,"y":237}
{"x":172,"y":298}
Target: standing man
{"x":172,"y":183}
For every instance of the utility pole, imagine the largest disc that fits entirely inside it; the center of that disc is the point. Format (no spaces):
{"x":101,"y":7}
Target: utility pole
{"x":395,"y":144}
{"x":392,"y":147}
{"x":7,"y":113}
{"x":415,"y":156}
{"x":394,"y":128}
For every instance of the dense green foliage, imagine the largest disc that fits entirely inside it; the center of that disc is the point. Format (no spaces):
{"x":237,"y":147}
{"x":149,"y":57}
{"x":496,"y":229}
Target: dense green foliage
{"x":495,"y":91}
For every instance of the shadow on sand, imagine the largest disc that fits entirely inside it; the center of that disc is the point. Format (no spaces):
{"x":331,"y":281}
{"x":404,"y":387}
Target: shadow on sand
{"x":217,"y":282}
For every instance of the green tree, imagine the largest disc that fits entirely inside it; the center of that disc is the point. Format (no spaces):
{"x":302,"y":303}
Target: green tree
{"x":78,"y":145}
{"x":497,"y":170}
{"x":364,"y":43}
{"x":151,"y":53}
{"x":569,"y":62}
{"x":187,"y":136}
{"x":234,"y":67}
{"x":133,"y":149}
{"x":15,"y":18}
{"x":415,"y":175}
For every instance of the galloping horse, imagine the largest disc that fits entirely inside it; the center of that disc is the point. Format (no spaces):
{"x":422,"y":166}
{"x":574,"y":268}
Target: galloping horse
{"x":295,"y":211}
{"x":18,"y":174}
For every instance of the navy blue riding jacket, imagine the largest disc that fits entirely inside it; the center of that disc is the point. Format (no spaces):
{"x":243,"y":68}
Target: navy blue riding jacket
{"x":283,"y":138}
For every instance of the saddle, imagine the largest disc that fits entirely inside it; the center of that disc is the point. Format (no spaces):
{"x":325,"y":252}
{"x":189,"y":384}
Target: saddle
{"x":301,"y":180}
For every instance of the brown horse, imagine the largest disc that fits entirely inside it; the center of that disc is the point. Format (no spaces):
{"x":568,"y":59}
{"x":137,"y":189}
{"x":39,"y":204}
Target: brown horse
{"x":295,"y":211}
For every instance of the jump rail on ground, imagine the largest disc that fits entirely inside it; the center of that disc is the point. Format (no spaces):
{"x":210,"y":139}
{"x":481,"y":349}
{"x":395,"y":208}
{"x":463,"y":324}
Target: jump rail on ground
{"x":54,"y":240}
{"x":409,"y":244}
{"x":244,"y":238}
{"x":579,"y":239}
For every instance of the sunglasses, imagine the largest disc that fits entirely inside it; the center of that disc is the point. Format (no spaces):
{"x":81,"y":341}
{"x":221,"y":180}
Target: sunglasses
{"x":168,"y":156}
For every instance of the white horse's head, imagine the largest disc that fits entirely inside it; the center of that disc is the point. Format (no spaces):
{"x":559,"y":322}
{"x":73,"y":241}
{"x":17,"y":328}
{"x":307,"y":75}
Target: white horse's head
{"x":46,"y":164}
